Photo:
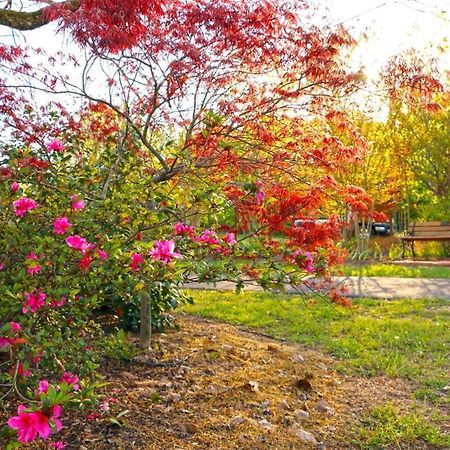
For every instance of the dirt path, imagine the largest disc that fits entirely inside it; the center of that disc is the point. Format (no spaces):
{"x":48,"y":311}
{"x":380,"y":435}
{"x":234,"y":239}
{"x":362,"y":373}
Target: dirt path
{"x":231,"y":389}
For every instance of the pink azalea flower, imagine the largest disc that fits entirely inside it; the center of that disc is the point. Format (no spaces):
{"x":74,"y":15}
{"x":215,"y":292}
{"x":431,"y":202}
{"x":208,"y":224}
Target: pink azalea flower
{"x":29,"y":424}
{"x":70,"y":378}
{"x":34,"y":301}
{"x":164,"y":251}
{"x":85,"y":262}
{"x":136,"y":261}
{"x":260,"y":197}
{"x":22,"y":371}
{"x":59,"y":303}
{"x":15,"y":186}
{"x":23,"y":205}
{"x":103,"y":255}
{"x":2,"y":266}
{"x":42,"y":387}
{"x":78,"y":243}
{"x":4,"y":342}
{"x":305,"y":259}
{"x":35,"y":423}
{"x":104,"y":406}
{"x":33,"y":267}
{"x":76,"y":203}
{"x":61,"y":225}
{"x":37,"y":358}
{"x":230,"y":239}
{"x":58,"y":445}
{"x":208,"y":237}
{"x":55,"y":146}
{"x":15,"y":326}
{"x":181,"y":228}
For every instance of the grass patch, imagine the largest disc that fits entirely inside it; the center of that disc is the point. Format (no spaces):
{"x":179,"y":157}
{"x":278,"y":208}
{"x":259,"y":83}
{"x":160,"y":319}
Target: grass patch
{"x":387,"y":427}
{"x":393,"y":270}
{"x":401,"y":338}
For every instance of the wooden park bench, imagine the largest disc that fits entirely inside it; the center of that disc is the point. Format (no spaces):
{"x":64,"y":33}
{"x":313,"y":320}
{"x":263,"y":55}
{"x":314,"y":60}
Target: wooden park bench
{"x":426,"y":231}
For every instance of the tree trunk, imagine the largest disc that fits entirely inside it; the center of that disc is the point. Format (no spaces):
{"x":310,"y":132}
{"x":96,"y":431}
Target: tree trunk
{"x":145,"y":336}
{"x":24,"y":21}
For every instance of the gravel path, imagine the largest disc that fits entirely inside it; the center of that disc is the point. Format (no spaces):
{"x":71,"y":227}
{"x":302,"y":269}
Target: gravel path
{"x":372,"y":287}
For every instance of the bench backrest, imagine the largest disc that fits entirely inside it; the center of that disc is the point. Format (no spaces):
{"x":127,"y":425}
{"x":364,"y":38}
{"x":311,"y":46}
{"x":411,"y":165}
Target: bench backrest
{"x":429,"y":229}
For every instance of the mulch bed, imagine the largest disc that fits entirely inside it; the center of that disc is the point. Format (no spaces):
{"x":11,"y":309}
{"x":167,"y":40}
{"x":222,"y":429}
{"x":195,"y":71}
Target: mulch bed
{"x":214,"y":386}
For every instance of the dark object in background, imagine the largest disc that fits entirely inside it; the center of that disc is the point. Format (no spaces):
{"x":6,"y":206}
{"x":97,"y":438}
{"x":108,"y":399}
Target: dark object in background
{"x":381,"y":229}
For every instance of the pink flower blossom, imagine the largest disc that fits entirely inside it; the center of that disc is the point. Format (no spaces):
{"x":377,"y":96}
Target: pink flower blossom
{"x":208,"y":237}
{"x":61,"y":225}
{"x":59,"y":303}
{"x":77,"y":204}
{"x":55,"y":146}
{"x":260,"y":197}
{"x":164,"y":251}
{"x":230,"y":239}
{"x":85,"y":262}
{"x":2,"y":266}
{"x":104,"y":406}
{"x":23,"y":205}
{"x":31,"y":424}
{"x":102,"y":255}
{"x":15,"y":186}
{"x":22,"y":371}
{"x":33,"y":267}
{"x":4,"y":342}
{"x":15,"y":326}
{"x":37,"y":358}
{"x":305,"y":259}
{"x":58,"y":445}
{"x":34,"y":301}
{"x":71,"y":379}
{"x":42,"y":387}
{"x":181,"y":228}
{"x":136,"y":261}
{"x":78,"y":243}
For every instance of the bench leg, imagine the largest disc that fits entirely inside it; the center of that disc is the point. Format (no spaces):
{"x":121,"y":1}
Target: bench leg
{"x":403,"y":249}
{"x":412,"y":248}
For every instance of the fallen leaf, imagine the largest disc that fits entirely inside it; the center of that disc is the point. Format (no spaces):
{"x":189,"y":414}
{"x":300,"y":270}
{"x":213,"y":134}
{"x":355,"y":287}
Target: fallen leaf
{"x":252,"y":386}
{"x":187,"y":427}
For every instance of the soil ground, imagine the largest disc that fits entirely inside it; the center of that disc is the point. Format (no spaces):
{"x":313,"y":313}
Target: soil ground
{"x":225,"y":388}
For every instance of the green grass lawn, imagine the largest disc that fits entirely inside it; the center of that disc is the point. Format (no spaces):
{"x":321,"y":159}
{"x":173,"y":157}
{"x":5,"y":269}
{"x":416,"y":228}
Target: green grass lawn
{"x":393,"y":270}
{"x":402,"y":338}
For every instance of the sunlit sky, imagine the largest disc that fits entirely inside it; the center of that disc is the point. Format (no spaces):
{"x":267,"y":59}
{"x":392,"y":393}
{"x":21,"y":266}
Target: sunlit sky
{"x":393,"y":26}
{"x":390,"y":26}
{"x":383,"y":28}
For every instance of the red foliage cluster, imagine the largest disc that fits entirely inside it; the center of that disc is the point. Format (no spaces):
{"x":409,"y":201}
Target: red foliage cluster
{"x":106,"y":24}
